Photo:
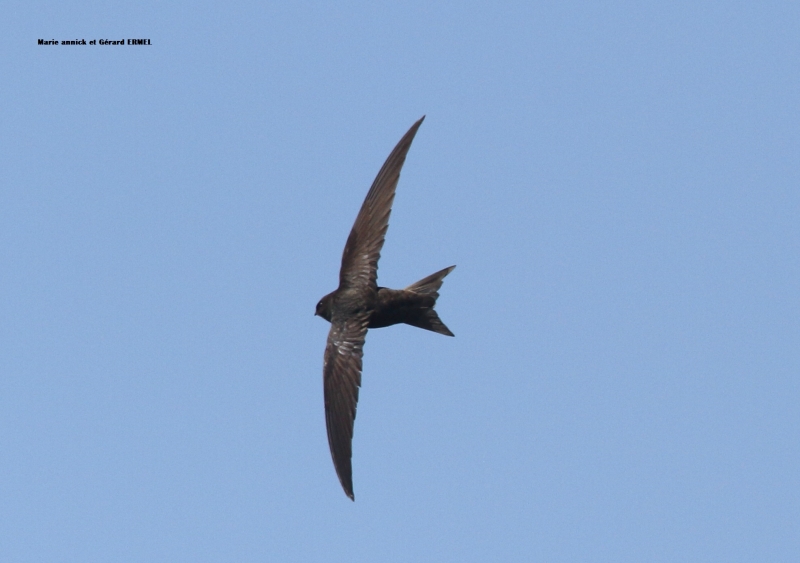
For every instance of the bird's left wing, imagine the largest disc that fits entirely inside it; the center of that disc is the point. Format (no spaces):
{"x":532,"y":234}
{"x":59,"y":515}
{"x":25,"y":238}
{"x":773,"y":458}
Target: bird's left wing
{"x":363,"y":249}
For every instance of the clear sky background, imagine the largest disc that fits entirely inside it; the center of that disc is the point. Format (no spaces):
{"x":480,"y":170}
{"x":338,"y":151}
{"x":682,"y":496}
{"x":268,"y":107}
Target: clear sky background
{"x":618,"y":184}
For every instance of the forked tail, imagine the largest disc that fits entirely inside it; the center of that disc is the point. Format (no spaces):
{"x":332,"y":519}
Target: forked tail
{"x":426,"y":317}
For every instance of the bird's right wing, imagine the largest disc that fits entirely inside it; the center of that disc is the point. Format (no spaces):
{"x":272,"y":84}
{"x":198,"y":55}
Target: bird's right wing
{"x":341,"y":380}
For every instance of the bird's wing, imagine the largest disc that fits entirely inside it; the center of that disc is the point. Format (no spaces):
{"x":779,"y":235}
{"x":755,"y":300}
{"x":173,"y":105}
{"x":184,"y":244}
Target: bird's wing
{"x":363,"y":248}
{"x":341,"y":379}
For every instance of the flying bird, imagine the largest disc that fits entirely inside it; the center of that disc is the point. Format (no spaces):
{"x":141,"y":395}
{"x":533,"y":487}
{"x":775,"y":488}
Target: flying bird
{"x":359,"y":304}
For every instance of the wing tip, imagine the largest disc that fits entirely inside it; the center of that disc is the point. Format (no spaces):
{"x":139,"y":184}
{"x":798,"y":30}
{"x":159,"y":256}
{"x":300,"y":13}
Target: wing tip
{"x":347,"y":487}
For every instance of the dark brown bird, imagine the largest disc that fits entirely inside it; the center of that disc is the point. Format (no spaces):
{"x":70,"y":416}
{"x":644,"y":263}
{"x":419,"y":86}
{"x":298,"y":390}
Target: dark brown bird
{"x":359,"y":304}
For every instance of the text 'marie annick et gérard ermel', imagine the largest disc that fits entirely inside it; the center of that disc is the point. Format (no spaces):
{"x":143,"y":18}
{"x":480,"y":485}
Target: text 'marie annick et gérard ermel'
{"x":95,"y":42}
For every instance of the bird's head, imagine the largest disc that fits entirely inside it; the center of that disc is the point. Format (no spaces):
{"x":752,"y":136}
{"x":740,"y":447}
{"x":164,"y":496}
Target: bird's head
{"x":324,"y":307}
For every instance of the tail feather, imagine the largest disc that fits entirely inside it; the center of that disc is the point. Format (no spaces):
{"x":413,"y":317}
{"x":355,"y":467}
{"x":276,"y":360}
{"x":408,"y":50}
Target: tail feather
{"x":431,"y":284}
{"x":427,"y":318}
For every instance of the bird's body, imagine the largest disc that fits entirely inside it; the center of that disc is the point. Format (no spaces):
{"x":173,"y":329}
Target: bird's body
{"x":358,"y":304}
{"x":412,"y":305}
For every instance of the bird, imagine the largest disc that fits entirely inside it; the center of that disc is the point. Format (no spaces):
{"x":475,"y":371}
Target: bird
{"x":359,"y":304}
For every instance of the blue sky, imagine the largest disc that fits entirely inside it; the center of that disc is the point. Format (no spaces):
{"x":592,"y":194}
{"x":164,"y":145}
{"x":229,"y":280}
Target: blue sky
{"x":617,"y":183}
